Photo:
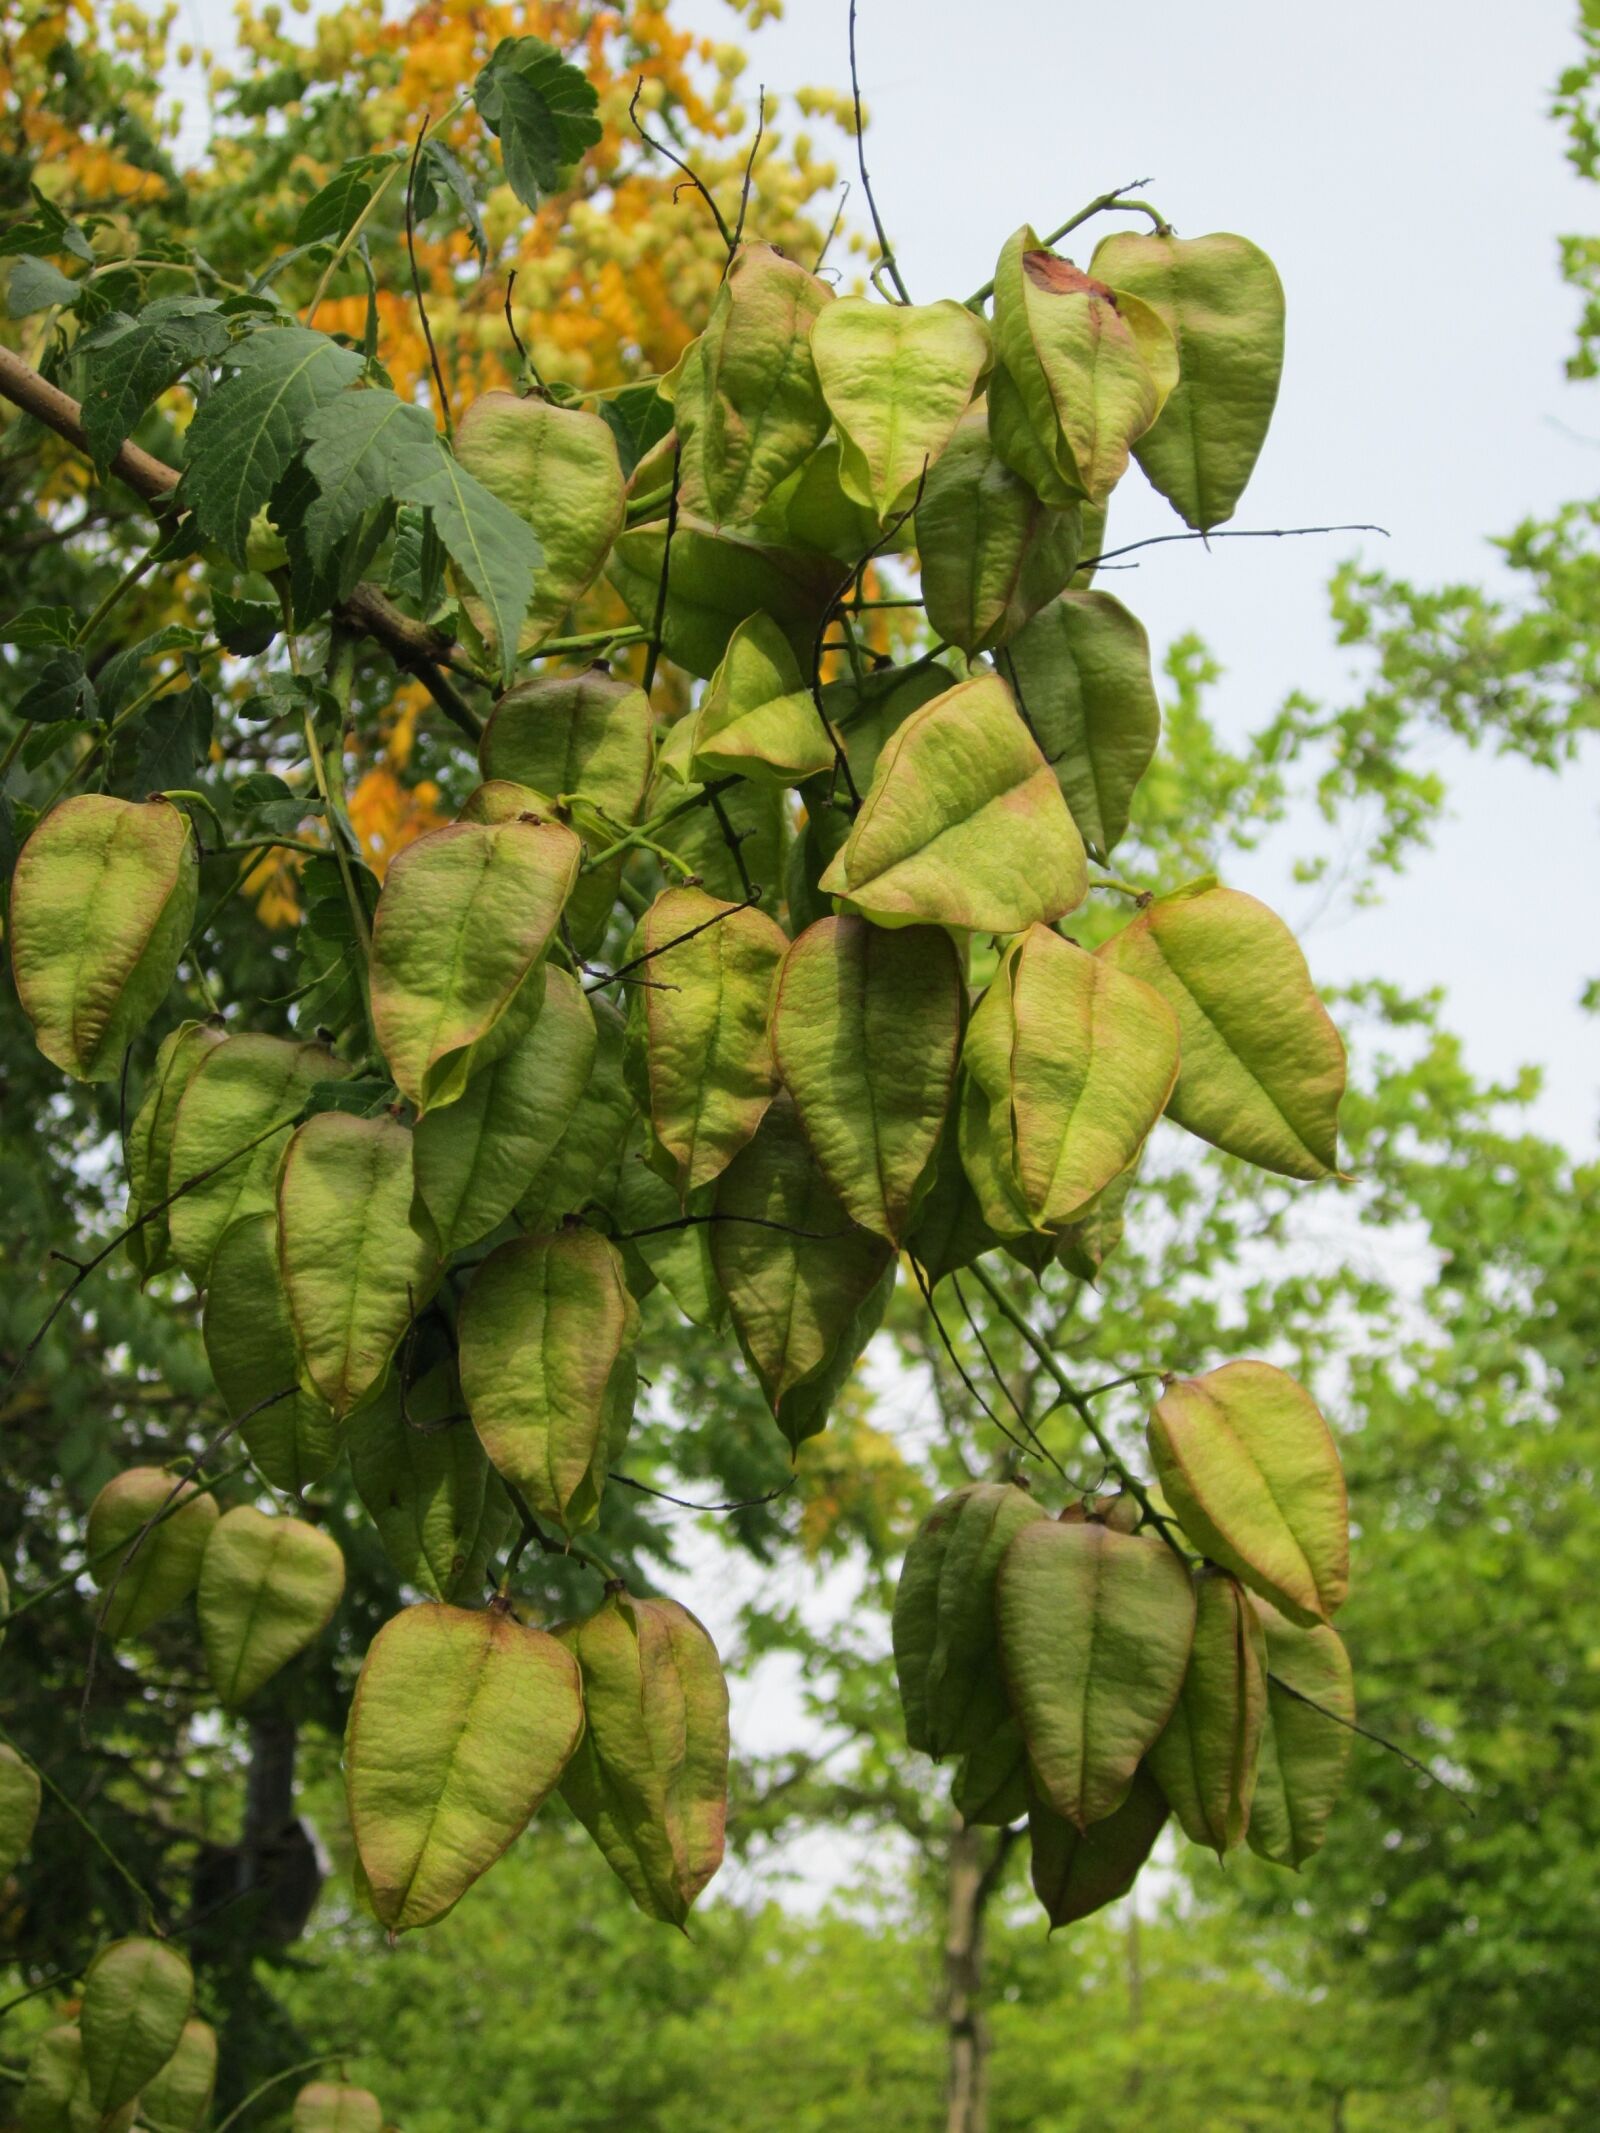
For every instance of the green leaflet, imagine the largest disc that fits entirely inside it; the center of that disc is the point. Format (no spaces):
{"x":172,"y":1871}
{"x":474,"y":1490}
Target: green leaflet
{"x":1263,"y":1068}
{"x":1081,"y":669}
{"x":19,"y":1808}
{"x":702,"y":1026}
{"x":230,"y":1134}
{"x":1095,"y":1630}
{"x":866,"y":1028}
{"x":475,"y":1158}
{"x":745,"y":396}
{"x":166,"y":1568}
{"x":992,"y":554}
{"x":557,"y":469}
{"x":897,"y":379}
{"x":1075,"y":1072}
{"x":137,"y":1996}
{"x":758,"y":717}
{"x":1086,"y":372}
{"x":149,"y":1150}
{"x":1078,"y":1871}
{"x":990,"y":1786}
{"x":1205,"y":1760}
{"x":796,"y":1271}
{"x":649,"y":1781}
{"x":178,"y":2098}
{"x":582,"y":1166}
{"x":1303,"y":1751}
{"x":250,"y":1346}
{"x":945,"y":1653}
{"x":547,"y":1333}
{"x":1252,"y":1473}
{"x":336,"y":2107}
{"x":591,"y":734}
{"x":268,"y":1588}
{"x":101,"y":904}
{"x":964,"y":824}
{"x":1222,"y":301}
{"x":430,"y":1491}
{"x":461,"y":1725}
{"x":466,"y":913}
{"x":678,"y":1257}
{"x":715,"y":581}
{"x":55,"y":2097}
{"x":354,"y":1270}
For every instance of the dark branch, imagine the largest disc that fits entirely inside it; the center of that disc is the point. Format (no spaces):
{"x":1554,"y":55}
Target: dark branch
{"x":1224,"y":533}
{"x":743,"y":1503}
{"x":416,"y":279}
{"x":678,"y":163}
{"x":750,"y":171}
{"x":610,"y":977}
{"x":888,"y":260}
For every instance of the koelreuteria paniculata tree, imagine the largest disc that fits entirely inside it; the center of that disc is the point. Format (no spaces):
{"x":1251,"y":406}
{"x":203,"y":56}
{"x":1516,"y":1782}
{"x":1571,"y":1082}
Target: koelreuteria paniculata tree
{"x":752,"y":958}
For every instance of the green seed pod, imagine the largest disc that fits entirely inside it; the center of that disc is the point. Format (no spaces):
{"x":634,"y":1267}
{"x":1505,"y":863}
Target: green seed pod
{"x":582,"y":1165}
{"x":1205,"y":1760}
{"x":1079,"y":1871}
{"x":590,"y":735}
{"x":149,"y":1150}
{"x":716,"y":581}
{"x":137,"y":1996}
{"x":178,"y":2098}
{"x":55,"y":2096}
{"x":758,"y":717}
{"x":250,"y":1346}
{"x":1304,"y":1750}
{"x":101,"y":904}
{"x":19,"y":1808}
{"x":268,"y":1588}
{"x":335,"y":2107}
{"x":992,"y":554}
{"x":990,"y":1787}
{"x":429,"y":1489}
{"x":897,"y":379}
{"x":166,"y":1569}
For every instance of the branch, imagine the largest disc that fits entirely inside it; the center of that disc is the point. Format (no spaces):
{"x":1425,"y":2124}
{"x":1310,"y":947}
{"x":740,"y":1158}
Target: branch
{"x":887,"y":262}
{"x":416,"y":279}
{"x":1026,"y":1450}
{"x":1223,"y":533}
{"x":841,"y":760}
{"x":1120,"y":198}
{"x":1378,"y":1740}
{"x":413,"y":647}
{"x":744,"y":1503}
{"x":750,"y":171}
{"x":610,"y":977}
{"x":678,"y":163}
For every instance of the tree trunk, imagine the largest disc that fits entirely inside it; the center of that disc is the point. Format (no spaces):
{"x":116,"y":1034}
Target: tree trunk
{"x":975,"y":1861}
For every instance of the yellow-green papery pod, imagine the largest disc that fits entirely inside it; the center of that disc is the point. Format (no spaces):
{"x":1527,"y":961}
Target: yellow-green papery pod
{"x":1095,"y":1631}
{"x":582,"y":1165}
{"x":758,"y":717}
{"x":101,"y":904}
{"x":991,"y":552}
{"x":1220,"y":298}
{"x":946,"y":1652}
{"x":746,"y":403}
{"x":567,"y":734}
{"x":649,"y":1780}
{"x":557,"y":468}
{"x":1305,"y":1745}
{"x":964,"y":824}
{"x":336,"y":2107}
{"x":249,"y":1340}
{"x":714,"y":582}
{"x":1263,"y":1068}
{"x":496,"y":891}
{"x":1079,"y":1871}
{"x":19,"y":1808}
{"x":897,"y":379}
{"x":149,"y":1149}
{"x":1205,"y":1759}
{"x":866,"y":1031}
{"x":1252,"y":1473}
{"x":426,"y":1481}
{"x":1086,"y":372}
{"x":137,"y":1996}
{"x":55,"y":2096}
{"x":142,"y":1587}
{"x":547,"y":1331}
{"x":178,"y":2098}
{"x":268,"y":1588}
{"x":462,"y":1723}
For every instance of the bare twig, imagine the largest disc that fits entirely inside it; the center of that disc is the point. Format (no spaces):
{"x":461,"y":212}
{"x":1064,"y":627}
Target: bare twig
{"x":833,"y":226}
{"x":888,"y":260}
{"x":1225,"y":533}
{"x":841,"y":760}
{"x":416,"y":280}
{"x":1120,"y":199}
{"x":749,"y":171}
{"x":743,"y":1503}
{"x":678,"y":163}
{"x":1378,"y":1740}
{"x":1027,"y":1450}
{"x":610,"y":977}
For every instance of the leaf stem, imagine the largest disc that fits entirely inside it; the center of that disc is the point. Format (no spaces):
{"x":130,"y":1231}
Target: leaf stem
{"x":348,"y":240}
{"x":1121,"y":197}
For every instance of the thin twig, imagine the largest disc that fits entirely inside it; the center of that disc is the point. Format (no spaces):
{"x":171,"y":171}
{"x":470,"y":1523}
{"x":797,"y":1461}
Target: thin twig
{"x":919,"y":1275}
{"x":841,"y":759}
{"x":888,"y":260}
{"x":273,"y":2081}
{"x":833,"y":226}
{"x":784,"y":1229}
{"x":1378,"y":1740}
{"x":610,"y":977}
{"x":749,"y":173}
{"x":416,"y":279}
{"x":1227,"y":533}
{"x":528,"y":363}
{"x":734,"y":840}
{"x":1120,"y":199}
{"x":678,"y":163}
{"x":743,"y":1503}
{"x":146,"y":1900}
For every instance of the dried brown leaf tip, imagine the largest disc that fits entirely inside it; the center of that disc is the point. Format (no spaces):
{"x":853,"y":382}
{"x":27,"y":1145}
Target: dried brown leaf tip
{"x":1049,"y":271}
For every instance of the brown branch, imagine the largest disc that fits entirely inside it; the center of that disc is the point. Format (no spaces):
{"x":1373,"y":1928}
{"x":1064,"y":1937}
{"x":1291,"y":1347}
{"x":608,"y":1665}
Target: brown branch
{"x":610,"y":977}
{"x":743,"y":1503}
{"x":678,"y":163}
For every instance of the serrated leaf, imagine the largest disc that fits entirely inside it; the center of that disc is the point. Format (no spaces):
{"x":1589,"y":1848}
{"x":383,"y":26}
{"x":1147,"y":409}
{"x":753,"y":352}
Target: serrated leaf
{"x":137,"y":1996}
{"x":430,"y":1491}
{"x":249,"y":1343}
{"x":1263,"y":1067}
{"x":268,"y":1588}
{"x":548,"y":1330}
{"x":62,"y":691}
{"x":34,"y":285}
{"x":1079,"y":1871}
{"x":1252,"y":1473}
{"x":1205,"y":1759}
{"x":174,"y":739}
{"x":543,"y":111}
{"x":897,"y":379}
{"x":333,"y":212}
{"x":1304,"y":1750}
{"x":40,"y":629}
{"x":129,"y":362}
{"x":638,"y":417}
{"x":461,"y":1726}
{"x":439,"y":167}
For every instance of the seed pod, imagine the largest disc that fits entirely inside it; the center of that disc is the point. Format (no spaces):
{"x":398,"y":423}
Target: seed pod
{"x":806,"y":1288}
{"x":1263,"y":1067}
{"x":582,"y":1165}
{"x":590,"y":734}
{"x":716,"y":581}
{"x":335,"y":2107}
{"x":992,"y":554}
{"x":811,"y":510}
{"x":496,"y":892}
{"x":678,"y":1257}
{"x":964,"y":824}
{"x":699,"y":1030}
{"x":1304,"y":1750}
{"x":1074,"y":1072}
{"x":268,"y":1588}
{"x":101,"y":904}
{"x":250,"y":1346}
{"x":428,"y":1487}
{"x":19,"y":1808}
{"x":137,"y":1996}
{"x":557,"y":468}
{"x":746,"y":402}
{"x":1086,"y":372}
{"x":1082,"y":668}
{"x":1095,"y":1631}
{"x":1093,"y":1234}
{"x":462,"y":1723}
{"x":144,"y":1587}
{"x":897,"y":379}
{"x":949,"y":1231}
{"x":229,"y":1136}
{"x":945,"y":1652}
{"x":1222,"y":301}
{"x":1079,"y":1871}
{"x":178,"y":2098}
{"x":1253,"y":1475}
{"x":866,"y":1030}
{"x":1205,"y":1760}
{"x":547,"y":1334}
{"x":354,"y":1270}
{"x":990,"y":1787}
{"x":649,"y":1781}
{"x":758,"y":717}
{"x":55,"y":2097}
{"x":149,"y":1152}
